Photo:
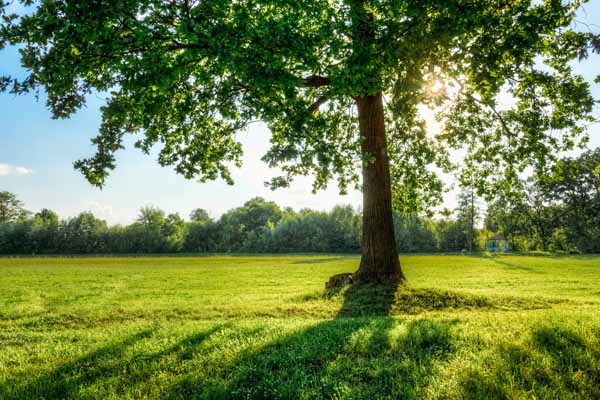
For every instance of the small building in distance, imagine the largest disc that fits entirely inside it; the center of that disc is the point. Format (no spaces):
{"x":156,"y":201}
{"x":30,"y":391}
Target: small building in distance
{"x":497,"y":244}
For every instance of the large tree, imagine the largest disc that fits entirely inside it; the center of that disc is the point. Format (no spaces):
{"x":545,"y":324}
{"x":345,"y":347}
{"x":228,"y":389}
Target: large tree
{"x":338,"y":82}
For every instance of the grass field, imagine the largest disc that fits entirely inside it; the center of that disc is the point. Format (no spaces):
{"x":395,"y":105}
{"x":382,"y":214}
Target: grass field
{"x":262,"y":328}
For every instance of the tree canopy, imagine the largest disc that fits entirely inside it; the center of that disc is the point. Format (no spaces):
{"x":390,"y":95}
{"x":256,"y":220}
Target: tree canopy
{"x":190,"y":75}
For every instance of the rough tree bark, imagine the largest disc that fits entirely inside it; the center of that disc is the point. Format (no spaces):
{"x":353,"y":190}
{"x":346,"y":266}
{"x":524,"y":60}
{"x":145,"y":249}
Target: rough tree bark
{"x":379,"y":262}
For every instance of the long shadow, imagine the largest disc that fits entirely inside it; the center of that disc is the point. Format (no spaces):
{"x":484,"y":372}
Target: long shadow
{"x":107,"y":364}
{"x":352,"y":356}
{"x":64,"y":381}
{"x":361,"y":353}
{"x":554,"y":362}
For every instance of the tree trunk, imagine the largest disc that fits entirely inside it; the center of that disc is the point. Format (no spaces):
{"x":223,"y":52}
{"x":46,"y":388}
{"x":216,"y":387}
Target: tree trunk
{"x":379,"y":262}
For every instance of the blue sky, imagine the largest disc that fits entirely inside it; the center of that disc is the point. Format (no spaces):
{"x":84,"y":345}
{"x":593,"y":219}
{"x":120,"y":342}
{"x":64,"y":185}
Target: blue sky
{"x":36,"y":156}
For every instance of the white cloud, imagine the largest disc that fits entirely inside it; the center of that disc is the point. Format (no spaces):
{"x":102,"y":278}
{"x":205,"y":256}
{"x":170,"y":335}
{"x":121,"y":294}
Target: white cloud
{"x":7,"y":169}
{"x":23,"y":170}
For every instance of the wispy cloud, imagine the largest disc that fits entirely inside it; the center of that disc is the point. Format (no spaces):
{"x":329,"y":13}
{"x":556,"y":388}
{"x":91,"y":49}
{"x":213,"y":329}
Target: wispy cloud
{"x":7,"y":169}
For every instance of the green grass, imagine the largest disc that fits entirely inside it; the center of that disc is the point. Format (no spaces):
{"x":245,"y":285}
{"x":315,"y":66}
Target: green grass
{"x":262,"y":327}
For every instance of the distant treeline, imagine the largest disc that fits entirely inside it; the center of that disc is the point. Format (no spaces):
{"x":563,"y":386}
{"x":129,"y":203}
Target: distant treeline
{"x":259,"y":226}
{"x":560,"y":213}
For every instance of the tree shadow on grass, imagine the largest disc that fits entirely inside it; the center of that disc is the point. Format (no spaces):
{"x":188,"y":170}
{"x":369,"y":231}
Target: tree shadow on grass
{"x":101,"y":372}
{"x":65,"y":381}
{"x":362,"y":353}
{"x":414,"y":300}
{"x":554,"y":362}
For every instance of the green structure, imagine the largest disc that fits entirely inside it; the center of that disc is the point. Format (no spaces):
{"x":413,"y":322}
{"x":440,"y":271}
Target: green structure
{"x":497,"y":244}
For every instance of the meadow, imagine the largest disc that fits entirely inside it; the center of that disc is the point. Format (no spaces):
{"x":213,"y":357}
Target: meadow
{"x":263,"y":328}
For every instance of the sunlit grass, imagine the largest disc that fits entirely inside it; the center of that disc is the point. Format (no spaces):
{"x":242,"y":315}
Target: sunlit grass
{"x":262,"y":327}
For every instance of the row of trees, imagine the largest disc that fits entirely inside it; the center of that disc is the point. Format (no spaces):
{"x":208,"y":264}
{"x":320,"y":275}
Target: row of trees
{"x":259,"y":226}
{"x":558,"y":213}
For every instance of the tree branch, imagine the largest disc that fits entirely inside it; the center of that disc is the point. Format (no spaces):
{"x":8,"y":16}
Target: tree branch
{"x":499,"y":116}
{"x":320,"y":101}
{"x":315,"y":81}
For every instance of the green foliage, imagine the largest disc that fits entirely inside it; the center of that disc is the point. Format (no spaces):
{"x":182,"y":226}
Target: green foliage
{"x":241,"y":228}
{"x":558,"y":212}
{"x":483,"y":235}
{"x":451,"y":236}
{"x":576,"y":186}
{"x":153,"y":232}
{"x":83,"y":234}
{"x":313,"y":231}
{"x":414,"y":234}
{"x":201,"y":238}
{"x":200,"y":215}
{"x":262,"y":327}
{"x":258,"y":226}
{"x":560,"y":242}
{"x":189,"y":76}
{"x":11,"y":208}
{"x":468,"y":210}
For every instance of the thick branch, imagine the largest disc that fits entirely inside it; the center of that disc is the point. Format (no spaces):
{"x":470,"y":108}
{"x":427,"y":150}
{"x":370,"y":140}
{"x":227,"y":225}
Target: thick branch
{"x":315,"y":81}
{"x":320,"y":101}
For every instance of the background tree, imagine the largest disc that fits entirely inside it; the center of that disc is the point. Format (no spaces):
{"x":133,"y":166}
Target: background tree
{"x":200,"y":215}
{"x":202,"y":237}
{"x":559,"y":212}
{"x":413,"y":234}
{"x":345,"y":230}
{"x":441,"y":228}
{"x":575,"y":190}
{"x":120,"y":240}
{"x":45,"y":232}
{"x":148,"y":231}
{"x":468,"y":211}
{"x":538,"y":220}
{"x":537,"y":213}
{"x":174,"y":230}
{"x":83,"y":234}
{"x":525,"y":218}
{"x":190,"y":75}
{"x":451,"y":235}
{"x":11,"y":208}
{"x":506,"y":217}
{"x":244,"y":227}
